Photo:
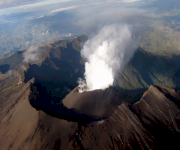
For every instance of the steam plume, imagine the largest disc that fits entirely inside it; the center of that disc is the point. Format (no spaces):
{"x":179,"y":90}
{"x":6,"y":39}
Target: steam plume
{"x":12,"y":72}
{"x":108,"y":52}
{"x":31,"y":54}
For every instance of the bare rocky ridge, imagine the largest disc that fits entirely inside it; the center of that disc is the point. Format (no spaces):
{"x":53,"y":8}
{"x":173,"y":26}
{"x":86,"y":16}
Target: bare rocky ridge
{"x":22,"y":127}
{"x":150,"y":123}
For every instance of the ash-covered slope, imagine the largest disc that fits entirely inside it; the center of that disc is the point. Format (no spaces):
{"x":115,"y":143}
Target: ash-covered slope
{"x":151,"y":123}
{"x":22,"y":127}
{"x":58,"y":68}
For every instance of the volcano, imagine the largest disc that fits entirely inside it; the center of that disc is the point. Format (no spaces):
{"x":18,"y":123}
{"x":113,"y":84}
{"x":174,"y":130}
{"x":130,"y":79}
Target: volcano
{"x":137,"y":112}
{"x":150,"y":123}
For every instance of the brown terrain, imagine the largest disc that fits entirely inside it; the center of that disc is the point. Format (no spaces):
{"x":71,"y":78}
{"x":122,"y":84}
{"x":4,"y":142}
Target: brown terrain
{"x":150,"y":123}
{"x":133,"y":120}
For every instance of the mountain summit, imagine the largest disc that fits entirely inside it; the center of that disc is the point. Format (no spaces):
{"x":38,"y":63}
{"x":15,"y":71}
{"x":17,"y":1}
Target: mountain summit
{"x":150,"y":123}
{"x":137,"y":112}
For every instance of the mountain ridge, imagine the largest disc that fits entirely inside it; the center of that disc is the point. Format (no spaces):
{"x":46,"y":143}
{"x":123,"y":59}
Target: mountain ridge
{"x":61,"y":62}
{"x":58,"y":69}
{"x":138,"y":126}
{"x":129,"y":126}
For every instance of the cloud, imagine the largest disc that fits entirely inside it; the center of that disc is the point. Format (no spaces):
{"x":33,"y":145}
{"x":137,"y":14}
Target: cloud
{"x":75,"y":6}
{"x":92,"y":19}
{"x":114,"y":32}
{"x":130,"y":1}
{"x":32,"y":7}
{"x":41,"y":16}
{"x":29,"y":3}
{"x":31,"y":55}
{"x":35,"y":9}
{"x":82,"y":85}
{"x":23,"y":67}
{"x":67,"y":8}
{"x":107,"y":53}
{"x":12,"y":73}
{"x":6,"y":3}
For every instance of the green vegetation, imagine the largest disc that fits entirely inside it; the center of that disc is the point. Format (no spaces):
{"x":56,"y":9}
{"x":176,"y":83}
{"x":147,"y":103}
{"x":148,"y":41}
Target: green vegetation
{"x":146,"y":69}
{"x":161,"y":38}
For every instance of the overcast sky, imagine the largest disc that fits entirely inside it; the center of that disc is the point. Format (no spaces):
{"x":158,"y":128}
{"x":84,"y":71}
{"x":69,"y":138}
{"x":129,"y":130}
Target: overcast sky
{"x":11,"y":10}
{"x":14,"y":6}
{"x":14,"y":3}
{"x":87,"y":11}
{"x":86,"y":15}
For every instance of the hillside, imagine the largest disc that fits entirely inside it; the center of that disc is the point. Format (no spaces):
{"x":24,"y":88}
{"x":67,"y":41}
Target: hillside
{"x":142,"y":125}
{"x":128,"y":125}
{"x":147,"y":69}
{"x":59,"y":70}
{"x":60,"y":65}
{"x":150,"y":123}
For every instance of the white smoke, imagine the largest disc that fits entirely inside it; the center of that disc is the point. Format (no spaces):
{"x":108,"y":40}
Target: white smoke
{"x":23,"y":67}
{"x":108,"y":52}
{"x":12,"y":73}
{"x":31,"y":54}
{"x":82,"y":85}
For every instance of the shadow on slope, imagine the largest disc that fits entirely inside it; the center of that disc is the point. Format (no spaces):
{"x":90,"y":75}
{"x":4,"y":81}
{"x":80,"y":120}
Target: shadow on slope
{"x":41,"y":99}
{"x":146,"y":69}
{"x":4,"y":68}
{"x":59,"y":72}
{"x":151,"y":123}
{"x":12,"y":61}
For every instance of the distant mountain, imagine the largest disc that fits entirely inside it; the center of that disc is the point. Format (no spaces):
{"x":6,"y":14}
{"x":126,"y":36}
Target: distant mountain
{"x":146,"y":69}
{"x":16,"y":31}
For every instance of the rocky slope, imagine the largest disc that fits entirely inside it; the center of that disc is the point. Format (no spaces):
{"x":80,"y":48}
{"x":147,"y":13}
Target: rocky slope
{"x":57,"y":68}
{"x":22,"y":127}
{"x":60,"y":65}
{"x":150,"y":123}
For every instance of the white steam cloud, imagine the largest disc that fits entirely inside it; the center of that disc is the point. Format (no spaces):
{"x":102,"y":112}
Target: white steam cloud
{"x":12,"y":73}
{"x":108,"y":52}
{"x":31,"y":54}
